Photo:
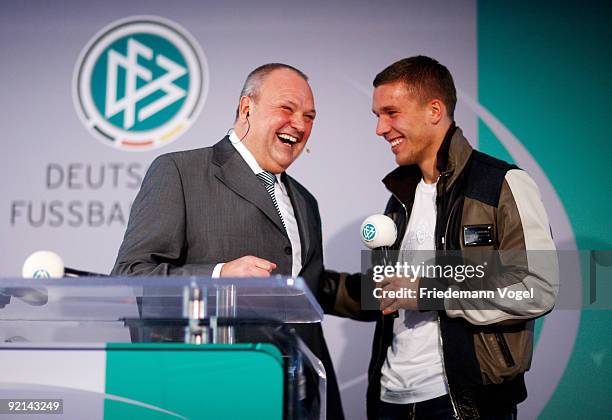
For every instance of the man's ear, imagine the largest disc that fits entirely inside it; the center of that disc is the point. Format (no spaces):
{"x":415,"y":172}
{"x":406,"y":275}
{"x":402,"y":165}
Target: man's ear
{"x":244,"y":109}
{"x":437,"y":110}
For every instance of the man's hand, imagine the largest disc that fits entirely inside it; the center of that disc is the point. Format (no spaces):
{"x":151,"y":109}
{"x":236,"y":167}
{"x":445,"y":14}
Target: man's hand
{"x":247,"y":266}
{"x":394,"y":284}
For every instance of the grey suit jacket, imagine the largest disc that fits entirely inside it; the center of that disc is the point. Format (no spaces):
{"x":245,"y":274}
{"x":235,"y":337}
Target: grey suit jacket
{"x":205,"y":206}
{"x":201,"y":207}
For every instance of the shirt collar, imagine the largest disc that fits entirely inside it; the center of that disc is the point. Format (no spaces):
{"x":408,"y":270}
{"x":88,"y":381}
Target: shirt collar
{"x":247,"y":155}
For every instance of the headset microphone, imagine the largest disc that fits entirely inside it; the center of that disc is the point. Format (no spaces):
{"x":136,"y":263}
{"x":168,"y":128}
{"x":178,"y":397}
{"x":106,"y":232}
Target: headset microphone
{"x":248,"y":114}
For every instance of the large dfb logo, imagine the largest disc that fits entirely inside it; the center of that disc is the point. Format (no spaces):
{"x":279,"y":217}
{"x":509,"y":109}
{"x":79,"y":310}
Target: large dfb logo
{"x":140,"y":83}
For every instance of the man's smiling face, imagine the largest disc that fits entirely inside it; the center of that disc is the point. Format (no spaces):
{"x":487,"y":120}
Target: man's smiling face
{"x":280,"y":120}
{"x":404,"y":123}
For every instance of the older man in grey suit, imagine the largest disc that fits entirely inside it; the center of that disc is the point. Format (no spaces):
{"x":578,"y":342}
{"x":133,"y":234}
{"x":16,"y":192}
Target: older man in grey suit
{"x":230,"y":210}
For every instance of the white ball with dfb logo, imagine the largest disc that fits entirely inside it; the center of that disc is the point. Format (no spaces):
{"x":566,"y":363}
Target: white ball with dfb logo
{"x":43,"y":264}
{"x":378,"y":230}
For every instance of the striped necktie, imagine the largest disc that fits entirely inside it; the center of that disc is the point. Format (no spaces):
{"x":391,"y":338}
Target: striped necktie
{"x":268,"y":180}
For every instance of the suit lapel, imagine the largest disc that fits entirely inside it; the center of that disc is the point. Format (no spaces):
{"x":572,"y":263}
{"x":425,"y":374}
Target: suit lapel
{"x":234,"y":172}
{"x":303,"y":214}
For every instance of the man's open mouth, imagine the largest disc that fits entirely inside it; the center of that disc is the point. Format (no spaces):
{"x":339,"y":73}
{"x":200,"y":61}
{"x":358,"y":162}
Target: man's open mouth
{"x":396,"y":142}
{"x":287,"y":139}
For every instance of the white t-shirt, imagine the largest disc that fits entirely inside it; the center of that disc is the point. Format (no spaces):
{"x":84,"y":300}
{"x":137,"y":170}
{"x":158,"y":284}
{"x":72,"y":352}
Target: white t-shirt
{"x":413,"y":370}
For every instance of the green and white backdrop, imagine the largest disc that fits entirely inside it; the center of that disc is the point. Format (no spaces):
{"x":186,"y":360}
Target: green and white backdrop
{"x":534,"y":88}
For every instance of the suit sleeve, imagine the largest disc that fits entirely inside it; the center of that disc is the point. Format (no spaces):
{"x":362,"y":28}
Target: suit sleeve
{"x":154,"y":243}
{"x":343,"y":294}
{"x":340,"y":293}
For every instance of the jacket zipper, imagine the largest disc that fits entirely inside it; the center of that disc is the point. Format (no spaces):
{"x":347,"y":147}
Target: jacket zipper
{"x":405,"y":212}
{"x":443,"y":176}
{"x":448,"y":220}
{"x":450,"y":394}
{"x":380,"y":343}
{"x":505,"y":350}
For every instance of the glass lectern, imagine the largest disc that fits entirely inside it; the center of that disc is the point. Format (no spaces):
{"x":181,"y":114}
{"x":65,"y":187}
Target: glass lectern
{"x":158,"y":348}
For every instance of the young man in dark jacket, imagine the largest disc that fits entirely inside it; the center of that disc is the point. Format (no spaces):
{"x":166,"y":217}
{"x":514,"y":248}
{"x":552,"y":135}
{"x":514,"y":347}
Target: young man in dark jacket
{"x":465,"y":358}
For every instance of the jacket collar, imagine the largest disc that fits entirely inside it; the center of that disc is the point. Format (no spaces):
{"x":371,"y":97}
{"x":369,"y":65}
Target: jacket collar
{"x":223,"y":151}
{"x":451,"y":158}
{"x":236,"y":174}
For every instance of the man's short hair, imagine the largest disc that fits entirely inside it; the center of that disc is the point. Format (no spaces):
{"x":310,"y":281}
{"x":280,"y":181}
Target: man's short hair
{"x":256,"y":78}
{"x":425,"y":77}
